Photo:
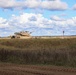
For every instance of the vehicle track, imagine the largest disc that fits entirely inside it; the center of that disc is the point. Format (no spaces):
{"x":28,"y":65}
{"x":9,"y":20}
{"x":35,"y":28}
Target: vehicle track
{"x":13,"y":69}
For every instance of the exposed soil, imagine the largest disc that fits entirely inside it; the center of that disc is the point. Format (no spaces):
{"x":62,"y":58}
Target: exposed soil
{"x":14,"y":69}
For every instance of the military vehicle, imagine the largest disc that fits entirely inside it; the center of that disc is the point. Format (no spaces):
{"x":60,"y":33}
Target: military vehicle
{"x":22,"y":34}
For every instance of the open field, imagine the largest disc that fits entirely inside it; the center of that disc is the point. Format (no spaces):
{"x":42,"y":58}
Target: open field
{"x":53,"y":56}
{"x":43,"y":37}
{"x":14,"y":69}
{"x":54,"y":51}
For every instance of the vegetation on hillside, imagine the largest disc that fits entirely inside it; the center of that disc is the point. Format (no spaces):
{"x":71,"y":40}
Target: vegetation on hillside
{"x":39,"y":51}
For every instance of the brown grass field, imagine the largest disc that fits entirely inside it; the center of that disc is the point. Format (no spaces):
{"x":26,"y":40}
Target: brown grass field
{"x":53,"y":56}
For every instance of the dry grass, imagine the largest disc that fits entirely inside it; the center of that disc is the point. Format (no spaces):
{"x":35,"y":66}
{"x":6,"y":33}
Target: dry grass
{"x":39,"y":51}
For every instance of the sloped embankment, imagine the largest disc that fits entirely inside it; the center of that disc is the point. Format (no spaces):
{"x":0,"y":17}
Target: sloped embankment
{"x":60,"y":52}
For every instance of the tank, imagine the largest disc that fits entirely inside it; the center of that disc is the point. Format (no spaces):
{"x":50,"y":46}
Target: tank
{"x":22,"y":34}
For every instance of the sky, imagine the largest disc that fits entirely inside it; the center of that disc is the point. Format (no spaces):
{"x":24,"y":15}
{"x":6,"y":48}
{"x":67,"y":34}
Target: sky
{"x":41,"y":17}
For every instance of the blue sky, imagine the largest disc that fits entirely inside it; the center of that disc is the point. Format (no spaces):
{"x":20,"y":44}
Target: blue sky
{"x":41,"y":17}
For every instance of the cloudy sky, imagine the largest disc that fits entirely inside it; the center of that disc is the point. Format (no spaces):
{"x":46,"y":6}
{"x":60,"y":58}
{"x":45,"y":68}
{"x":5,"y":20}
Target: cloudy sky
{"x":41,"y":17}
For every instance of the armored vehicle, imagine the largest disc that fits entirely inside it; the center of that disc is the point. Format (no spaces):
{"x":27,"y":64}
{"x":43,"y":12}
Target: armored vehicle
{"x":22,"y":34}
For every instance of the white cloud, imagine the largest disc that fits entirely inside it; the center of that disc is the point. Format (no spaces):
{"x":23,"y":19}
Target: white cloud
{"x":3,"y":23}
{"x":71,"y":21}
{"x":54,"y":5}
{"x":26,"y":20}
{"x":37,"y":23}
{"x":57,"y":18}
{"x":32,"y":3}
{"x":74,"y":7}
{"x":23,"y":4}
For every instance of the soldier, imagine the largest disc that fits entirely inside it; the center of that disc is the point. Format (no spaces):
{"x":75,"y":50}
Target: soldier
{"x":63,"y":32}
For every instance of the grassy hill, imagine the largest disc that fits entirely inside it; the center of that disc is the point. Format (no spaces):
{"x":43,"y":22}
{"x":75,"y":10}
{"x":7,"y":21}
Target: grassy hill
{"x":52,"y":51}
